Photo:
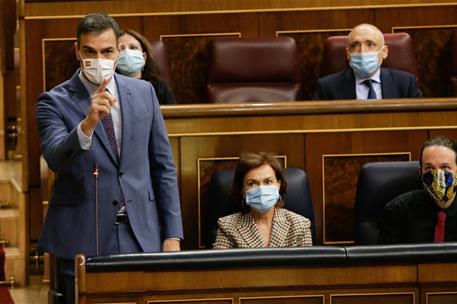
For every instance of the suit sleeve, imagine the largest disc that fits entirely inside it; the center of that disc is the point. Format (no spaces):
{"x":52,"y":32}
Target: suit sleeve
{"x":58,"y":136}
{"x":391,"y":222}
{"x":163,"y":175}
{"x":414,"y":91}
{"x":320,"y":91}
{"x":307,"y":237}
{"x":222,"y":239}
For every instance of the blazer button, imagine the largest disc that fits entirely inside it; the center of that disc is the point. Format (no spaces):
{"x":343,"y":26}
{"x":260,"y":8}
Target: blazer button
{"x":115,"y":203}
{"x":120,"y":173}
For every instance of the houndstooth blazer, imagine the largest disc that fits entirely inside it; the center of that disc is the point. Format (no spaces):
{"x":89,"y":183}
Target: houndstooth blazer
{"x":239,"y":230}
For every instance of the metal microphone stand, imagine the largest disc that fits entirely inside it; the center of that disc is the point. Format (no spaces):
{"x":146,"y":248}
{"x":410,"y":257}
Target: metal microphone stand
{"x":96,"y":173}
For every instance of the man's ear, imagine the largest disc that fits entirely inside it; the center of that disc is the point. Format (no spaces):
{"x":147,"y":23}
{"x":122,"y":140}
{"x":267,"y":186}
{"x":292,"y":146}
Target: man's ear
{"x":77,"y":51}
{"x":348,"y":54}
{"x":385,"y":52}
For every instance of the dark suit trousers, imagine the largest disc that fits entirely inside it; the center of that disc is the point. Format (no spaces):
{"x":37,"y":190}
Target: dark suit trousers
{"x":122,"y":241}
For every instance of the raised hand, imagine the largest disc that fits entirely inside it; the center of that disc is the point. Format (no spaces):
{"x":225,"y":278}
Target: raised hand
{"x":102,"y":101}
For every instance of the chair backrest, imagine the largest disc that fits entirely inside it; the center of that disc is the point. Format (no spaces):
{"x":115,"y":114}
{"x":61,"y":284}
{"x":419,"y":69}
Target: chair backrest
{"x":378,"y":184}
{"x":453,"y":68}
{"x":401,"y":53}
{"x":221,"y":203}
{"x":161,"y":57}
{"x":253,"y":70}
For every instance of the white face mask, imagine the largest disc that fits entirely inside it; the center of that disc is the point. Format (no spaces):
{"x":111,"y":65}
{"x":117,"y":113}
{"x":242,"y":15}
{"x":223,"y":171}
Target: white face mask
{"x":96,"y":70}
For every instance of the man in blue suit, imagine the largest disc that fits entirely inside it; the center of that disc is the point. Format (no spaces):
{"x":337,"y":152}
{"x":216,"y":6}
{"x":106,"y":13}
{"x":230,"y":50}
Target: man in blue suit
{"x":104,"y":136}
{"x":365,"y":79}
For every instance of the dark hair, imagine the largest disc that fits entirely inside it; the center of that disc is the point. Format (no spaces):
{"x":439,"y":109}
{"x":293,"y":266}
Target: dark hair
{"x":439,"y":141}
{"x":249,"y":161}
{"x":151,"y":71}
{"x":97,"y":23}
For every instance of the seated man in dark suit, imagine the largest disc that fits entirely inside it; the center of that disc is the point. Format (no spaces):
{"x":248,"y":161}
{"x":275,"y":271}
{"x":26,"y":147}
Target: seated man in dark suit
{"x":365,"y":79}
{"x":430,"y":214}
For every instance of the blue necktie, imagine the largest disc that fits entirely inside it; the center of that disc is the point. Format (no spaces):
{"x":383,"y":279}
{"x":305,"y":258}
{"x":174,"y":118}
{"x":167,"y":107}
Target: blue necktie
{"x":371,"y":92}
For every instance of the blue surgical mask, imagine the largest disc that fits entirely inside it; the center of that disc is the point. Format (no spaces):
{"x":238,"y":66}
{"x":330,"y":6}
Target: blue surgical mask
{"x":130,"y":62}
{"x":365,"y":64}
{"x":262,"y":198}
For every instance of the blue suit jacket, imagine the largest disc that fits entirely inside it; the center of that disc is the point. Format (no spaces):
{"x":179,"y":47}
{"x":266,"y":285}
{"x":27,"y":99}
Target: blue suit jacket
{"x":145,"y":173}
{"x":341,"y":85}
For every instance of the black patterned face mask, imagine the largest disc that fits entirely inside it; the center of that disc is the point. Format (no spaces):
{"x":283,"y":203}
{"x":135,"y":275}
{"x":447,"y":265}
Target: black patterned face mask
{"x":441,"y":185}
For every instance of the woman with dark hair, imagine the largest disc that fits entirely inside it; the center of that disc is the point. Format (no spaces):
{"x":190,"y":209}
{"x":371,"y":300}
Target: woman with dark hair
{"x":136,"y":59}
{"x":262,"y":222}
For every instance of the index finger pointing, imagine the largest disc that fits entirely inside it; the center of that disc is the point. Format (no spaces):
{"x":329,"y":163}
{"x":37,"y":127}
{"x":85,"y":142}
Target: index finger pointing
{"x":102,"y":86}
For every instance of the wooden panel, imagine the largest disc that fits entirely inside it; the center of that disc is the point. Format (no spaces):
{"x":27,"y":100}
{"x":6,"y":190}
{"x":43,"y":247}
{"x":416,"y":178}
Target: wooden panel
{"x":380,"y":298}
{"x":437,"y":273}
{"x":59,"y":61}
{"x":283,"y":300}
{"x":193,"y":301}
{"x":450,"y":133}
{"x":438,"y":58}
{"x":78,"y":7}
{"x":440,"y":297}
{"x":236,"y":279}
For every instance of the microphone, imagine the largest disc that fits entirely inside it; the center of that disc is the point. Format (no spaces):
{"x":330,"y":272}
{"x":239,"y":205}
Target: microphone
{"x":95,"y":173}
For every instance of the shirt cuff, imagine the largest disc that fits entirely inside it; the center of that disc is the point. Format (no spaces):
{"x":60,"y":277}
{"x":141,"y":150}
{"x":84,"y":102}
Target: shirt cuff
{"x":84,"y":140}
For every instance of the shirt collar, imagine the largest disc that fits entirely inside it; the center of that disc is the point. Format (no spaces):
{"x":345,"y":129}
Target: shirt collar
{"x":376,"y":77}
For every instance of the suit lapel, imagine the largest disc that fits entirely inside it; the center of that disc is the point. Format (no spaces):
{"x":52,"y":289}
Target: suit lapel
{"x":249,"y":232}
{"x":279,"y":230}
{"x":387,"y":84}
{"x":348,"y":87}
{"x":127,"y":106}
{"x":82,"y":98}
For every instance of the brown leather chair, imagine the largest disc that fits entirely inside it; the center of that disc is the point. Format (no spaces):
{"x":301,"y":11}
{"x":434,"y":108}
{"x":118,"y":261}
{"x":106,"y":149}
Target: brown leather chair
{"x":401,"y":54}
{"x":253,"y":70}
{"x":161,"y":57}
{"x":453,"y":68}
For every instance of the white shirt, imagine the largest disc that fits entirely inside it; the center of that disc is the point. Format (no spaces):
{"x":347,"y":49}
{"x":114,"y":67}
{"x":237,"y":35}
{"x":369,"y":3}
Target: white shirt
{"x":361,"y":89}
{"x":86,"y":141}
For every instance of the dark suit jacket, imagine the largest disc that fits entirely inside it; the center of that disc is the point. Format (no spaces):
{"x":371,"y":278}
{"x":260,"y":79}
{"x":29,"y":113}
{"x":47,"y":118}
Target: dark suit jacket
{"x":341,"y":85}
{"x":145,"y":174}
